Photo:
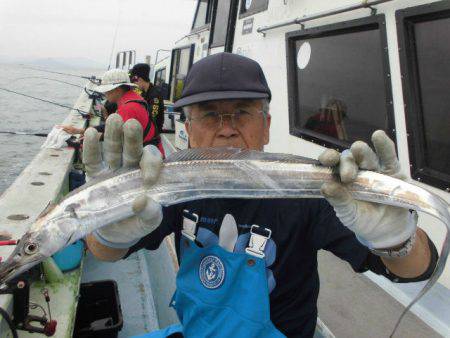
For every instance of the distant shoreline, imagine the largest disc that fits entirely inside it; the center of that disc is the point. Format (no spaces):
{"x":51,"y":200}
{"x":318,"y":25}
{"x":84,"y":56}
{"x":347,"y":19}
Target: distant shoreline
{"x":54,"y":63}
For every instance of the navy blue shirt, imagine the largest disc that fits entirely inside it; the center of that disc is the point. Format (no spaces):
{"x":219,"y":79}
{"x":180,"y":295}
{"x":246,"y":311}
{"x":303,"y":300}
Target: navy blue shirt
{"x":300,"y":228}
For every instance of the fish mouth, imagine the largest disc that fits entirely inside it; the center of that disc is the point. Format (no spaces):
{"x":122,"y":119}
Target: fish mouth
{"x":12,"y":268}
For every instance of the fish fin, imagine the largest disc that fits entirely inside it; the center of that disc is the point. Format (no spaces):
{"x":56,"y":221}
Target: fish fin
{"x":208,"y":154}
{"x":69,"y":240}
{"x":50,"y":206}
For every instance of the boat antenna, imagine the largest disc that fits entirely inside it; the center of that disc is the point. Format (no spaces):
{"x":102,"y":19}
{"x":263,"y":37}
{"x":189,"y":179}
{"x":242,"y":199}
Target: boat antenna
{"x":23,"y":133}
{"x":91,"y":78}
{"x":115,"y":35}
{"x":46,"y":78}
{"x":83,"y":113}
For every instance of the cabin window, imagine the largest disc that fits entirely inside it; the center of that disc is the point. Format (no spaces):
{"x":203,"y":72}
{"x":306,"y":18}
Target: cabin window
{"x":339,"y":82}
{"x":424,"y":35}
{"x":220,"y":27}
{"x":250,"y":7}
{"x":160,"y":81}
{"x":160,"y":76}
{"x":223,"y":24}
{"x":202,"y":14}
{"x":181,"y":63}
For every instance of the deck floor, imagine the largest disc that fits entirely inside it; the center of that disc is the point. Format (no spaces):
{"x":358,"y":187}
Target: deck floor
{"x":138,"y":309}
{"x":351,"y":305}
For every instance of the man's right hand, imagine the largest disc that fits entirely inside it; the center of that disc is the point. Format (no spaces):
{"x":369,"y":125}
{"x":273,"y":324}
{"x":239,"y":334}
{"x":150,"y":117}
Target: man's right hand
{"x":123,"y":148}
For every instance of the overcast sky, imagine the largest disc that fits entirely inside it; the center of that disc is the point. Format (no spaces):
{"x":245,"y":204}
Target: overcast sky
{"x":85,"y":28}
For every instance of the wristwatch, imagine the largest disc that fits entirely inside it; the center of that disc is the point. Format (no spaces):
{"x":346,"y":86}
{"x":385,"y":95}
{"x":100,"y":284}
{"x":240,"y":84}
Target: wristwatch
{"x":403,"y":251}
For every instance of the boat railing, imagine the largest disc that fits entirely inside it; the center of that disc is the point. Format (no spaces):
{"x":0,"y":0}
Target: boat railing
{"x":43,"y":181}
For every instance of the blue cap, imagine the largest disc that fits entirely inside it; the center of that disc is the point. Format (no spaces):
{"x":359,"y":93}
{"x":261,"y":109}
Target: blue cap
{"x":224,"y":76}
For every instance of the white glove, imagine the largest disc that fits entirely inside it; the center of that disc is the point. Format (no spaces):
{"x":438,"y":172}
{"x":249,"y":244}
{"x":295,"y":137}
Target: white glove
{"x":123,"y":148}
{"x":377,"y":226}
{"x":56,"y":139}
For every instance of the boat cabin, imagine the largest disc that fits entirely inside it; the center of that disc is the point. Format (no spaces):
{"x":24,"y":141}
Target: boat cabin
{"x":338,"y":71}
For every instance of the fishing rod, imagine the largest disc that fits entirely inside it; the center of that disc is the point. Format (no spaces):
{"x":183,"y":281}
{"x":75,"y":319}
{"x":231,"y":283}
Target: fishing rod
{"x":23,"y":133}
{"x":92,"y":94}
{"x":91,"y":78}
{"x":83,"y":113}
{"x":46,"y":78}
{"x":115,"y":35}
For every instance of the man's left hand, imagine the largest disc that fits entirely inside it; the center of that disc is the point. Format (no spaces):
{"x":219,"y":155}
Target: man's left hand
{"x":377,"y":226}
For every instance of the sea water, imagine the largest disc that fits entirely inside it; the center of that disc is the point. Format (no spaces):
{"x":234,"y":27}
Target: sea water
{"x":21,"y":114}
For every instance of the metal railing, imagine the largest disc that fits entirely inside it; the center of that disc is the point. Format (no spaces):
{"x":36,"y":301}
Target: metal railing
{"x":302,"y":20}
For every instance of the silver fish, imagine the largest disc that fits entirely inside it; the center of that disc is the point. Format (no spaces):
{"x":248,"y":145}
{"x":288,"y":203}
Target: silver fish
{"x":209,"y":173}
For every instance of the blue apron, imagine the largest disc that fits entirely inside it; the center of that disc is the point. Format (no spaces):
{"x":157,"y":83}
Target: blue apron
{"x":220,"y":294}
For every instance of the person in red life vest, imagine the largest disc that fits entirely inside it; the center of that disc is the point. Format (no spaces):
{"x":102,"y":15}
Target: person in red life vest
{"x":117,"y":87}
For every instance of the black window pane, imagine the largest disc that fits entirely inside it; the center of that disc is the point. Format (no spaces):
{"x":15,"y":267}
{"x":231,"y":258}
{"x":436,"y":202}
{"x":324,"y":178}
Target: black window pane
{"x":163,"y":75}
{"x":202,"y":13}
{"x":433,"y":61}
{"x":254,"y":6}
{"x":182,"y":70}
{"x":164,"y":85}
{"x":160,"y":77}
{"x":341,"y":87}
{"x":221,"y":23}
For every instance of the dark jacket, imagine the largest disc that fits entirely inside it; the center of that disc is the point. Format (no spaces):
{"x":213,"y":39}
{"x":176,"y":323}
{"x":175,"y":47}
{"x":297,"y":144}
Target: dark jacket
{"x":155,"y":101}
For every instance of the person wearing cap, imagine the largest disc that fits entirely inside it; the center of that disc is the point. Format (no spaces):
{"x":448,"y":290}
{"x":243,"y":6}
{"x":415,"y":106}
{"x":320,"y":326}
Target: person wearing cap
{"x":117,"y":87}
{"x":139,"y":75}
{"x":248,"y":268}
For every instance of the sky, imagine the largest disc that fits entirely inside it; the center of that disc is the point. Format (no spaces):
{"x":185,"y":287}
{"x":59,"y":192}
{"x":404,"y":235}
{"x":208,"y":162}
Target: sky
{"x":85,"y":28}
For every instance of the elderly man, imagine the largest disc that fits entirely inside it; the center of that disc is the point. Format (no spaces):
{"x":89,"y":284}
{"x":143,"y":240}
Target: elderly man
{"x":249,"y":267}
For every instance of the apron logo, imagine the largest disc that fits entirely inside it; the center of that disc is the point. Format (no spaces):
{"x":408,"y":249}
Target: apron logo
{"x":211,"y":272}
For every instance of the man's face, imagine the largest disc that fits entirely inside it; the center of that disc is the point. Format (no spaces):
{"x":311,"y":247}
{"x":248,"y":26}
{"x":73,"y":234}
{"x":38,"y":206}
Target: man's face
{"x":141,"y":83}
{"x":114,"y":95}
{"x":249,"y":131}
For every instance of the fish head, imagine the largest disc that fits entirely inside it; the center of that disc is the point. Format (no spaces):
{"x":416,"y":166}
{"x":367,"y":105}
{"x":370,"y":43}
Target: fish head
{"x":26,"y":254}
{"x":47,"y":236}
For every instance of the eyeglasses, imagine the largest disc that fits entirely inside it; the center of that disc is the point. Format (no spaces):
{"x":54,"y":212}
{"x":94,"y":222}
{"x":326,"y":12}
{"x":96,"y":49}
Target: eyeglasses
{"x":214,"y":120}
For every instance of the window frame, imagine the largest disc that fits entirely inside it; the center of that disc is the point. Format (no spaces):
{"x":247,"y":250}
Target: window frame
{"x":209,"y":12}
{"x":244,"y":14}
{"x":173,"y":64}
{"x":160,"y":70}
{"x":330,"y":30}
{"x":406,"y":18}
{"x":231,"y":25}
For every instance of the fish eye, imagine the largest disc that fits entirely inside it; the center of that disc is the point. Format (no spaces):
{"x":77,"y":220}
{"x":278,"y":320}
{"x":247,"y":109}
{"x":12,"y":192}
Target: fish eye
{"x":30,"y":248}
